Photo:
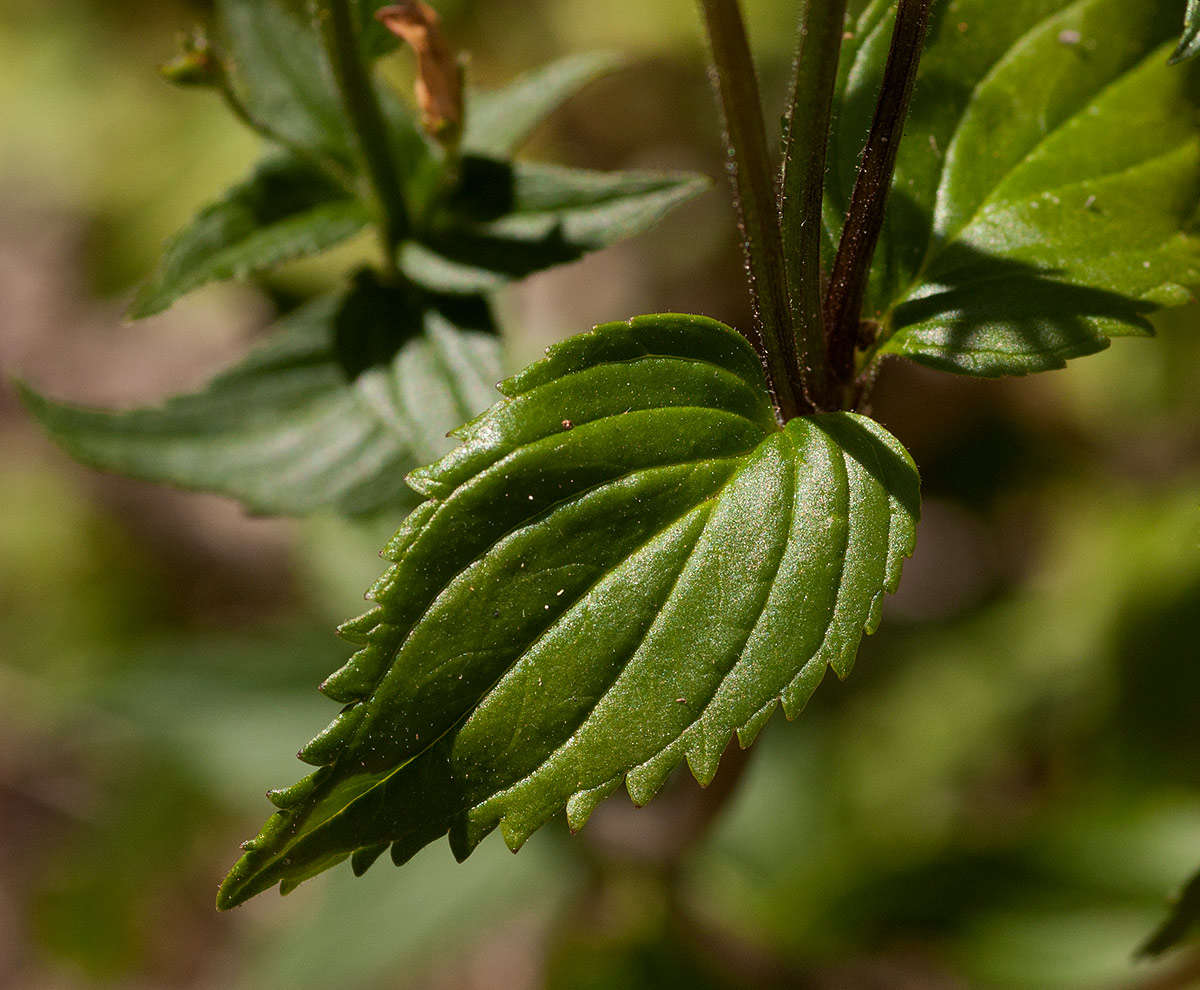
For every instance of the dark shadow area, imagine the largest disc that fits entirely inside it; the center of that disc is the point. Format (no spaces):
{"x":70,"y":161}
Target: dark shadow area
{"x":375,"y":320}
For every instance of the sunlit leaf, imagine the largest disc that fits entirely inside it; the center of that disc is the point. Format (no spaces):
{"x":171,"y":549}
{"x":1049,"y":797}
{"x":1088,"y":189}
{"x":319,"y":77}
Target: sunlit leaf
{"x":285,"y":210}
{"x":624,"y":563}
{"x":1049,"y":145}
{"x":346,"y":397}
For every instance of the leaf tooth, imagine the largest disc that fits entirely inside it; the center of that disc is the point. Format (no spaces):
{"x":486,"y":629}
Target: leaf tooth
{"x":402,"y":850}
{"x":288,"y":797}
{"x":287,"y":885}
{"x":646,"y":780}
{"x":360,"y":675}
{"x":874,"y":617}
{"x":414,"y":522}
{"x":581,"y":804}
{"x":424,"y":482}
{"x":358,"y":631}
{"x":472,"y":426}
{"x":385,"y":585}
{"x":516,"y":830}
{"x":362,"y":859}
{"x":324,"y":748}
{"x":703,"y":758}
{"x":795,"y":696}
{"x":754,"y":725}
{"x":466,"y":833}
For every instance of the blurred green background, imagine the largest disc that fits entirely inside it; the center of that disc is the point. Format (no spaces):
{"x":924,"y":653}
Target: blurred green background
{"x":1002,"y":795}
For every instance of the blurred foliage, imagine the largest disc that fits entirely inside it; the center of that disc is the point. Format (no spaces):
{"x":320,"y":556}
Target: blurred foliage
{"x":1002,"y":796}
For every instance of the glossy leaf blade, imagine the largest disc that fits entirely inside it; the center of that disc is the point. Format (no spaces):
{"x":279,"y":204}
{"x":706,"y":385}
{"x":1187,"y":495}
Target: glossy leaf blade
{"x":346,"y":397}
{"x":501,"y":119}
{"x":509,"y":220}
{"x":625,"y":563}
{"x":1049,"y":145}
{"x":285,"y":210}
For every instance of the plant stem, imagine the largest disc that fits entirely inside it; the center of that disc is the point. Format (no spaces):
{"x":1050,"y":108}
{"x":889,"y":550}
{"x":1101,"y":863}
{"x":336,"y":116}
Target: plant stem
{"x":864,"y":219}
{"x":340,"y":36}
{"x":802,"y":183}
{"x":752,"y":177}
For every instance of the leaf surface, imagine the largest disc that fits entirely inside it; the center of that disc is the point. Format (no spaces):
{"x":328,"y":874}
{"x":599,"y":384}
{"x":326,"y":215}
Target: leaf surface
{"x":499,"y":120}
{"x":510,"y":219}
{"x":333,"y":410}
{"x":1049,"y":145}
{"x":623,"y":564}
{"x":280,"y":76}
{"x":285,"y":210}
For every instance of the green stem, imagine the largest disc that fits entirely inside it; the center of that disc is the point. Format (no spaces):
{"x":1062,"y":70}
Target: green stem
{"x":864,"y":219}
{"x":802,"y":185}
{"x":340,"y":36}
{"x":752,"y":176}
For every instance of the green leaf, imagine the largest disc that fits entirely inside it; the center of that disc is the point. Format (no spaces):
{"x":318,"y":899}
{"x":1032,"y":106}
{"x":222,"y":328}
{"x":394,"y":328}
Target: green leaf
{"x":1189,"y":44}
{"x":285,"y":210}
{"x":1180,"y":924}
{"x":347,"y":396}
{"x":279,"y":75}
{"x":1050,"y":150}
{"x":499,"y":121}
{"x":507,"y":220}
{"x":624,"y":563}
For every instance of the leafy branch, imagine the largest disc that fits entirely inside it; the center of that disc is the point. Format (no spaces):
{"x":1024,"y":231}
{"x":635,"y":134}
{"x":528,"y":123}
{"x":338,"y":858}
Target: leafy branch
{"x":667,"y":528}
{"x":356,"y":388}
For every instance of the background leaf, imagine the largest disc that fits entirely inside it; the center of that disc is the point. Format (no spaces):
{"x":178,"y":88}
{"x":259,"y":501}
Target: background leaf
{"x":285,"y":210}
{"x":507,"y":220}
{"x":280,"y":76}
{"x":349,"y":393}
{"x":536,"y":642}
{"x":1049,"y":143}
{"x":500,"y":120}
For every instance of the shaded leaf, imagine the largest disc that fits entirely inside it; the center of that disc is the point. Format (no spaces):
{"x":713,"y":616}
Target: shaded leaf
{"x":345,"y":398}
{"x":1011,"y":325}
{"x":1048,"y":138}
{"x":285,"y":210}
{"x":624,"y":563}
{"x":507,"y":220}
{"x":1189,"y":44}
{"x":1179,"y":925}
{"x":499,"y":120}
